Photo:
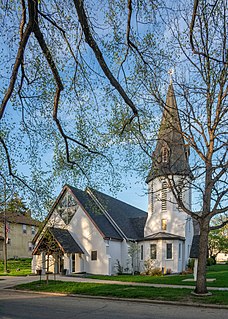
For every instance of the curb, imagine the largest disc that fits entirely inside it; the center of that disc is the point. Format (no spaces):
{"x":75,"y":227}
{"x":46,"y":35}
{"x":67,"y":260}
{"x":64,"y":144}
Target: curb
{"x":152,"y":301}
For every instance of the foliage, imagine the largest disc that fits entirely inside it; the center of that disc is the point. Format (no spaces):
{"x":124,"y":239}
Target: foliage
{"x":85,"y":82}
{"x":118,"y":267}
{"x":191,"y":262}
{"x":218,"y":241}
{"x":151,"y":269}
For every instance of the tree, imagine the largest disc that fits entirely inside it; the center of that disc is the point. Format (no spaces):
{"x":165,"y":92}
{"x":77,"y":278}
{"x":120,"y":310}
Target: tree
{"x":100,"y":79}
{"x":218,"y":242}
{"x":16,"y":204}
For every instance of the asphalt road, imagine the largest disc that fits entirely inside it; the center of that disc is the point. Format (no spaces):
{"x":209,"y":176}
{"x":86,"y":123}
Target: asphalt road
{"x":22,"y":305}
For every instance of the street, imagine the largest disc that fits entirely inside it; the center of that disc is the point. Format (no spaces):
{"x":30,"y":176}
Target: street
{"x":23,"y":305}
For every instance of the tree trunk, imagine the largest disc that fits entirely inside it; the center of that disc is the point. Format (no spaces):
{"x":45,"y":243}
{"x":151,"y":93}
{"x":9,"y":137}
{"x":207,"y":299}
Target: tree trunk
{"x":202,"y":262}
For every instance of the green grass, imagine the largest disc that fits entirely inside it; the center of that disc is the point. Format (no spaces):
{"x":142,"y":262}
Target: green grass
{"x":125,"y":291}
{"x":219,"y":272}
{"x":13,"y":266}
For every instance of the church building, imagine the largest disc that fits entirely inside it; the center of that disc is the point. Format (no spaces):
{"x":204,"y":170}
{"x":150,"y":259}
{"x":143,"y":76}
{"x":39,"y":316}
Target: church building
{"x":91,"y":232}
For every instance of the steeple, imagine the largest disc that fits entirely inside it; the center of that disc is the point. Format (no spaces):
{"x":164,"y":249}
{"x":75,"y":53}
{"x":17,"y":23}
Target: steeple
{"x":171,"y":155}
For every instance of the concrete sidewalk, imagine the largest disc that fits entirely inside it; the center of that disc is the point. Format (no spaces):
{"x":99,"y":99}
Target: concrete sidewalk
{"x":10,"y":281}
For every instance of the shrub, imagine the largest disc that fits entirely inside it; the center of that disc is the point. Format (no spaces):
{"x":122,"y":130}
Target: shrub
{"x":211,"y":261}
{"x":190,"y":264}
{"x":150,"y":268}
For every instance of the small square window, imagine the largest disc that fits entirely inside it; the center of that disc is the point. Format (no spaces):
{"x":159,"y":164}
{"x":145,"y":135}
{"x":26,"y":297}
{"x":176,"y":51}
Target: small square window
{"x":94,"y":255}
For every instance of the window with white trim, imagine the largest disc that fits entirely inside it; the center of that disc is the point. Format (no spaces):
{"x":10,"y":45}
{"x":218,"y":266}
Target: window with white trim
{"x":94,"y":255}
{"x":153,"y":251}
{"x":141,"y":252}
{"x":169,"y":251}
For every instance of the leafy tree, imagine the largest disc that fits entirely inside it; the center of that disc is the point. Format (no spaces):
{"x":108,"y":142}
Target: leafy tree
{"x":218,"y":242}
{"x":84,"y":79}
{"x":16,"y":204}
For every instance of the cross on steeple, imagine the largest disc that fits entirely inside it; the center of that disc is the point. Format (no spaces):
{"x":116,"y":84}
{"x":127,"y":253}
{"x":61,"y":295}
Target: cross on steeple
{"x":171,"y":72}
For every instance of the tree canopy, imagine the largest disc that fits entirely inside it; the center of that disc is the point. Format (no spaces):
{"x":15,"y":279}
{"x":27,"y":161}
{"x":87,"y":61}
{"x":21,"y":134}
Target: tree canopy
{"x":83,"y":85}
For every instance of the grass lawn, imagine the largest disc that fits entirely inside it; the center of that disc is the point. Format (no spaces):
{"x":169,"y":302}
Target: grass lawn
{"x":13,"y":266}
{"x":219,"y":272}
{"x":125,"y":291}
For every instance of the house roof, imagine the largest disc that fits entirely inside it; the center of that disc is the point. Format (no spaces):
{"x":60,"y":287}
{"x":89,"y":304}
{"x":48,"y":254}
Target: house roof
{"x":17,"y":218}
{"x":194,"y":252}
{"x":66,"y":241}
{"x":170,"y":137}
{"x":63,"y":240}
{"x":113,"y":217}
{"x":162,"y":235}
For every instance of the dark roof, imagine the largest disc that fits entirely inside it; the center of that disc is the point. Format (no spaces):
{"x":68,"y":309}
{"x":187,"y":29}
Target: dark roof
{"x":17,"y":218}
{"x":194,"y":252}
{"x":65,"y":240}
{"x":114,"y":218}
{"x":170,"y":137}
{"x":163,"y":235}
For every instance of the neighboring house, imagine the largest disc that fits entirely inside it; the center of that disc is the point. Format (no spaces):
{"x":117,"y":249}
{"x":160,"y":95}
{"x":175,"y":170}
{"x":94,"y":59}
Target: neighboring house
{"x":88,"y":231}
{"x":20,"y":231}
{"x":222,"y":257}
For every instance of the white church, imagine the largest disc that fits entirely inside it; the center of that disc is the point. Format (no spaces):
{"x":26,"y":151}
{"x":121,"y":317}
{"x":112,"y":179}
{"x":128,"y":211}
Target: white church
{"x":91,"y":232}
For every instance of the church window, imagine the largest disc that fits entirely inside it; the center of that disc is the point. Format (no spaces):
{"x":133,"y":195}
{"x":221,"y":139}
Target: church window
{"x":141,"y":252}
{"x":169,"y":251}
{"x":165,"y":155}
{"x":67,"y":207}
{"x":164,"y":224}
{"x":164,"y":196}
{"x":153,"y":251}
{"x":180,"y":251}
{"x":94,"y":255}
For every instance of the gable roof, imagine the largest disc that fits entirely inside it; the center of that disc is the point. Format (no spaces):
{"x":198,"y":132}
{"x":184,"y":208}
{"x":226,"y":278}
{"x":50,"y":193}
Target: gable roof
{"x":65,"y":240}
{"x":170,"y":137}
{"x":113,"y":217}
{"x":62,"y":239}
{"x":17,"y":218}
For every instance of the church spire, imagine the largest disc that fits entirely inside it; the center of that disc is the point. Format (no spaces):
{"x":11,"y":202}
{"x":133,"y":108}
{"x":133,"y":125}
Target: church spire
{"x":170,"y":156}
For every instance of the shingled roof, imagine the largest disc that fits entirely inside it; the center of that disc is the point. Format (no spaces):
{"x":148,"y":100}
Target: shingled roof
{"x":170,"y":137}
{"x":163,"y":235}
{"x":114,"y":218}
{"x":18,"y":218}
{"x":65,"y":240}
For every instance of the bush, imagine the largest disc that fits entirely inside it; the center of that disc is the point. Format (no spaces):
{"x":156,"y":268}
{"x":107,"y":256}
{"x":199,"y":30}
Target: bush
{"x":190,"y":264}
{"x":150,"y":268}
{"x":211,"y":261}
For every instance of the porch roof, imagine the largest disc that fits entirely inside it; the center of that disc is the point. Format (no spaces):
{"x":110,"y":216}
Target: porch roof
{"x":64,"y":240}
{"x":162,"y":235}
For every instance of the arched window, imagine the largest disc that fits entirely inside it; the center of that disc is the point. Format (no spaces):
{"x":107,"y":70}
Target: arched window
{"x":164,"y":196}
